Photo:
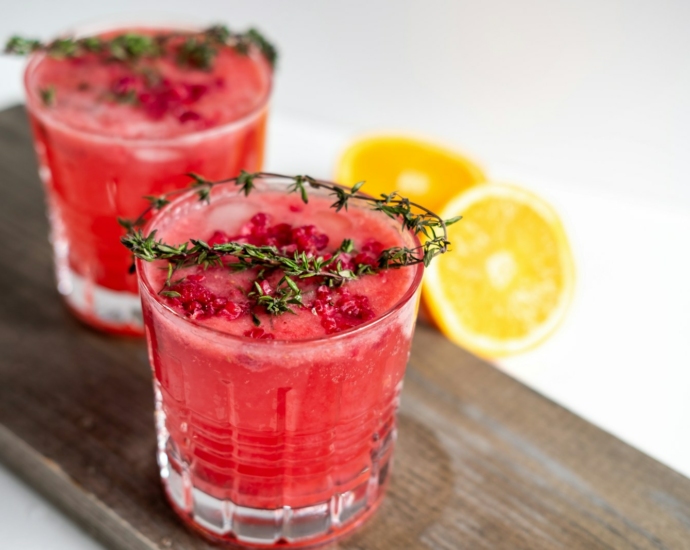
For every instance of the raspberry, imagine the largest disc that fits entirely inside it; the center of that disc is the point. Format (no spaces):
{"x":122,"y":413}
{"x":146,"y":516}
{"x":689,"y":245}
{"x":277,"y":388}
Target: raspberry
{"x":323,"y":293}
{"x":164,"y":97}
{"x":308,"y":239}
{"x":124,"y":85}
{"x":323,"y":308}
{"x":290,"y":239}
{"x":232,"y":311}
{"x":255,"y":232}
{"x":373,"y":246}
{"x":341,"y":310}
{"x":260,"y":220}
{"x":195,"y":92}
{"x":280,"y":235}
{"x":159,"y":99}
{"x":197,"y":302}
{"x":219,"y":237}
{"x":355,"y":307}
{"x":370,"y":252}
{"x":320,"y":241}
{"x":330,"y":325}
{"x":367,"y":259}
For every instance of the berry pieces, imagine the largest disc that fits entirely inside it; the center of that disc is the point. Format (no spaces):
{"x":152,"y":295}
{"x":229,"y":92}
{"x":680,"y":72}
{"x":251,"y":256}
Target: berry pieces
{"x":197,"y":302}
{"x":160,"y":97}
{"x":305,"y":238}
{"x":369,"y":255}
{"x":338,"y":309}
{"x":219,"y":237}
{"x":341,"y":310}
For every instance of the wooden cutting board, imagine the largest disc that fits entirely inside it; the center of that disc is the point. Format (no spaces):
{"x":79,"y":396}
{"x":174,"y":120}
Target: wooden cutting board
{"x":482,"y":462}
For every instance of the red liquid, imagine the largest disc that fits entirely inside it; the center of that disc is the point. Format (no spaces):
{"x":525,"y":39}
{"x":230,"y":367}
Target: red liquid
{"x":306,"y":419}
{"x":98,"y":158}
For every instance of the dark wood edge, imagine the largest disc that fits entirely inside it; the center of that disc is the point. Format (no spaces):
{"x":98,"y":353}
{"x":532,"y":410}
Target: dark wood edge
{"x":57,"y":487}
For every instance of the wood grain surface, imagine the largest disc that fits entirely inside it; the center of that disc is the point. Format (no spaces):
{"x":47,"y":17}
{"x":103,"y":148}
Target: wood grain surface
{"x":482,"y":462}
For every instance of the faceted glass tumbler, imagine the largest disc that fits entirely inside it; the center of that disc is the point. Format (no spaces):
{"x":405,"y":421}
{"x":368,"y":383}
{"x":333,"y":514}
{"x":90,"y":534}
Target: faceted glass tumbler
{"x":276,"y":442}
{"x":92,"y":179}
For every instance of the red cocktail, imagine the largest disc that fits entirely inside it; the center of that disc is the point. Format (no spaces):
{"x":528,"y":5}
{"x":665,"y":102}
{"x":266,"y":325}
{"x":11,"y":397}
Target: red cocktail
{"x":112,"y":125}
{"x":277,"y":429}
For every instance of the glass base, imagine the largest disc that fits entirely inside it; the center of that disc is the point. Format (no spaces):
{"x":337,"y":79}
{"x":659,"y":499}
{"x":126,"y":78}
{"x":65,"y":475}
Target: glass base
{"x":113,"y":311}
{"x":224,"y":521}
{"x":308,"y":541}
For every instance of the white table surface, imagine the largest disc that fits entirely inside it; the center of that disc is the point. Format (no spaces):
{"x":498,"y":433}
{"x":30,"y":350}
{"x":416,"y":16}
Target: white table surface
{"x":583,"y":102}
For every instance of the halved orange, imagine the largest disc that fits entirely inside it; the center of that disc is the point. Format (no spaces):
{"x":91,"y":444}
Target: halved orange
{"x":423,"y":172}
{"x":509,"y":276}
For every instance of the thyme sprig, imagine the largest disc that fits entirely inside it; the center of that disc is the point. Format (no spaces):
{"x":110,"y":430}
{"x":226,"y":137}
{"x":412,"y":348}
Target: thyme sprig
{"x":298,"y":265}
{"x":246,"y":256}
{"x":286,"y":293}
{"x":191,"y":49}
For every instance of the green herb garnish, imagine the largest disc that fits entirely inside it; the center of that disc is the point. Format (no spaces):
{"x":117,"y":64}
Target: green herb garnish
{"x":47,"y":95}
{"x":299,"y":265}
{"x":191,"y":49}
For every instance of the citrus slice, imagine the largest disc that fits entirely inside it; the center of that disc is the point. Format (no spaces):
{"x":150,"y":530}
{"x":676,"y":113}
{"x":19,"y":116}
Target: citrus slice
{"x":509,"y":275}
{"x":421,"y":171}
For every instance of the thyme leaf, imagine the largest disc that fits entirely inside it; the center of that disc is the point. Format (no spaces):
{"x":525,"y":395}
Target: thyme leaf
{"x":47,"y":95}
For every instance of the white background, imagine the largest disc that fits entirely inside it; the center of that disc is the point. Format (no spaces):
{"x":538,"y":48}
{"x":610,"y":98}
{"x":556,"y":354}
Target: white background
{"x":585,"y":102}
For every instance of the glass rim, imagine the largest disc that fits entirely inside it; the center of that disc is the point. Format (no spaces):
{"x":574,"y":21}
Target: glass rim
{"x":146,"y":287}
{"x":34,"y":108}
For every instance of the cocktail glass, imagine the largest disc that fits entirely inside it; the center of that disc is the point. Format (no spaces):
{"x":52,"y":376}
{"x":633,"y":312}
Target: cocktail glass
{"x":92,"y":178}
{"x":273,"y":442}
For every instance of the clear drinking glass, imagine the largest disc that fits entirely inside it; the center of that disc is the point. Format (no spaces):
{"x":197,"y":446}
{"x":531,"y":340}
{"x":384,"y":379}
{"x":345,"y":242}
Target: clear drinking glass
{"x":94,"y":176}
{"x":273,"y":442}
